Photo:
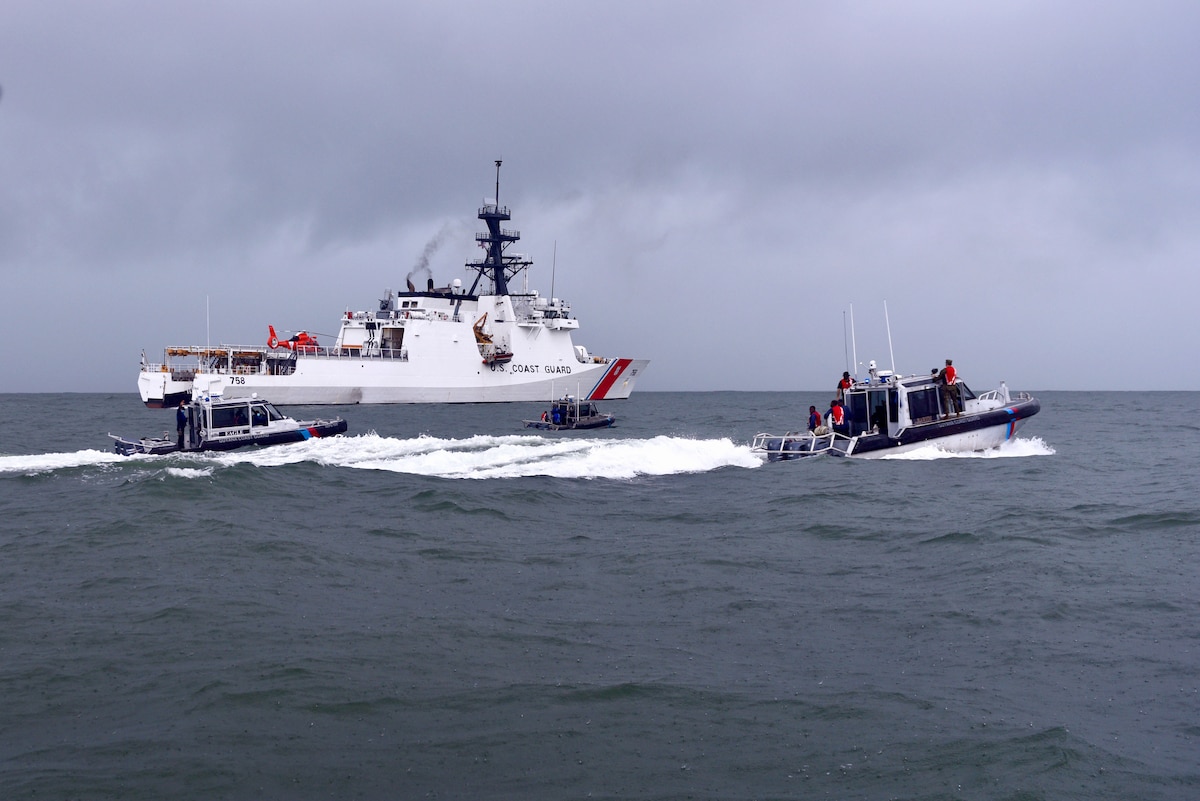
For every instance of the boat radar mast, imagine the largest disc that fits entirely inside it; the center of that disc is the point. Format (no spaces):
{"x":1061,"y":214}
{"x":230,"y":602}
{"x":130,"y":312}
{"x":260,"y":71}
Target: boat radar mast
{"x":496,"y":266}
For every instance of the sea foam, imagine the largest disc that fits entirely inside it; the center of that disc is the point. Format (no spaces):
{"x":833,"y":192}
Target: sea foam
{"x":1013,"y":448}
{"x":511,"y":456}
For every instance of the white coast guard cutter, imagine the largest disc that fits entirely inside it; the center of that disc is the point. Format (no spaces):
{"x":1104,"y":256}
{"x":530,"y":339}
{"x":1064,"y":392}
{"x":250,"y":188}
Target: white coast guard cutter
{"x":441,"y":345}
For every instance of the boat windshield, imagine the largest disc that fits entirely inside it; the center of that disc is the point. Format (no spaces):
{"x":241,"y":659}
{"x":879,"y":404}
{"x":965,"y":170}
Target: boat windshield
{"x":258,"y":414}
{"x":230,"y":416}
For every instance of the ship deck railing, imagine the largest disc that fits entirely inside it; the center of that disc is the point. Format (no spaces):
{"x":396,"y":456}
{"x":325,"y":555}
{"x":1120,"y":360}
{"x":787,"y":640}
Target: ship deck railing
{"x":219,"y":364}
{"x":1005,"y":396}
{"x":832,"y":442}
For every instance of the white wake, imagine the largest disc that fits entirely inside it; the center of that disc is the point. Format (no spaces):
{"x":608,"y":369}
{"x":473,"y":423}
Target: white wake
{"x":1013,"y":448}
{"x":478,"y":457}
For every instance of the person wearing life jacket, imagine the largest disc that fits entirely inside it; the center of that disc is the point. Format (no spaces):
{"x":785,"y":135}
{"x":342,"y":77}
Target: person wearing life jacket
{"x":947,"y":379}
{"x":844,"y":385}
{"x":814,"y":418}
{"x":837,"y":417}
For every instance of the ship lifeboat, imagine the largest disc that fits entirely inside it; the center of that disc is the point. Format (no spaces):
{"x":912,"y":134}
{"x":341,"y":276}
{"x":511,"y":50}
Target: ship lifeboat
{"x":498,"y":357}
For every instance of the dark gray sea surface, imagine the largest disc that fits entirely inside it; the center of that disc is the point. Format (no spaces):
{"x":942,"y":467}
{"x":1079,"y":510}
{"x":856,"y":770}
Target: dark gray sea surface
{"x":443,"y":605}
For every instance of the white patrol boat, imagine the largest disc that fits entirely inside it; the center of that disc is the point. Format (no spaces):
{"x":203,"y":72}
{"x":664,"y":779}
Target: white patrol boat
{"x":441,"y":345}
{"x":889,"y":414}
{"x":222,"y":424}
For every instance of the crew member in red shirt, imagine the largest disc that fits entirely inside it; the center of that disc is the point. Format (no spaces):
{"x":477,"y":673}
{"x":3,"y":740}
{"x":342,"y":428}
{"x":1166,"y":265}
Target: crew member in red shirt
{"x":844,"y":385}
{"x":837,"y":417}
{"x":947,"y":378}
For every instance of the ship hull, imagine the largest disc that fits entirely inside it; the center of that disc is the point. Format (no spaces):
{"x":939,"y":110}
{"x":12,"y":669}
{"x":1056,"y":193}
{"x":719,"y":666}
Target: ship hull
{"x":321,"y":380}
{"x":964,"y":434}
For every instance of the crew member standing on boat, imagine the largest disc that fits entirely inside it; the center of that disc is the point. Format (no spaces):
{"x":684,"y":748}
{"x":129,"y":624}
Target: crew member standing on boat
{"x":947,"y":378}
{"x":814,"y":418}
{"x":180,"y":422}
{"x":837,"y":417}
{"x":844,"y":385}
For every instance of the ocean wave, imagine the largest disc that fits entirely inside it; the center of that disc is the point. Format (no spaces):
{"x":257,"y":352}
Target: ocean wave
{"x":514,"y":456}
{"x":189,"y":472}
{"x":1018,"y":447}
{"x":34,"y":464}
{"x":482,"y":456}
{"x":476,"y":457}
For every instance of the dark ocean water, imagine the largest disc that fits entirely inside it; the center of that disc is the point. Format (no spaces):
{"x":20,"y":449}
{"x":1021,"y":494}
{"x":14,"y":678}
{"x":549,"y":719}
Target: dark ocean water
{"x":443,"y":606}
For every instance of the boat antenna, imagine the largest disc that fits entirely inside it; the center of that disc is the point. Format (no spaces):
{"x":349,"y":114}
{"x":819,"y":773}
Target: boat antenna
{"x":888,"y":322}
{"x":207,"y":326}
{"x":853,"y":342}
{"x":496,"y":239}
{"x":845,"y":341}
{"x":553,"y":267}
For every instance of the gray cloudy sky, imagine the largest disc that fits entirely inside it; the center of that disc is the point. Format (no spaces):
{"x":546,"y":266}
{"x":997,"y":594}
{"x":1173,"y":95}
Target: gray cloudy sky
{"x":1018,"y":181}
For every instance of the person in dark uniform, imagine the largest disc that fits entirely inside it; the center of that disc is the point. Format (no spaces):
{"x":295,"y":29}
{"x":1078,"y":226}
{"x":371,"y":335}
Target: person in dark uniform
{"x":181,"y":421}
{"x":814,"y":418}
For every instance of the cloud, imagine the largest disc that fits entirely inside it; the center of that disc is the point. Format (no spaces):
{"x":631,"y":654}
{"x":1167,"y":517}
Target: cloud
{"x":720,"y":183}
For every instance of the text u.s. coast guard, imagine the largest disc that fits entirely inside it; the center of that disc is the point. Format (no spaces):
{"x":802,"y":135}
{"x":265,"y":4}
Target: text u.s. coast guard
{"x":550,"y":369}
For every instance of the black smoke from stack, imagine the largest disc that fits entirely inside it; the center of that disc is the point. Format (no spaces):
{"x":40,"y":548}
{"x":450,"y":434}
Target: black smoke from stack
{"x":422,"y":265}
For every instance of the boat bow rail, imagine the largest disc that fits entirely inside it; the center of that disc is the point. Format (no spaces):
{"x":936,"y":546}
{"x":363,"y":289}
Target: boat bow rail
{"x":794,"y":445}
{"x":1004,"y":396}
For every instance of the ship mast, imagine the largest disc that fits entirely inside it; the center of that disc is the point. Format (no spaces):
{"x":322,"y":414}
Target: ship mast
{"x":496,"y":266}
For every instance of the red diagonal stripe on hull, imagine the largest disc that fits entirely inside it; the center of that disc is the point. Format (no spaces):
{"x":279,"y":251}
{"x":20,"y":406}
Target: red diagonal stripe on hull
{"x":601,"y":389}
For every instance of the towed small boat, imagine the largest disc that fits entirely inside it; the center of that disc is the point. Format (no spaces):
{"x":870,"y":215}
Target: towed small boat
{"x":569,"y":414}
{"x":222,"y":424}
{"x":890,"y":414}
